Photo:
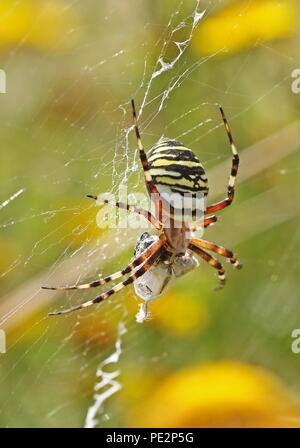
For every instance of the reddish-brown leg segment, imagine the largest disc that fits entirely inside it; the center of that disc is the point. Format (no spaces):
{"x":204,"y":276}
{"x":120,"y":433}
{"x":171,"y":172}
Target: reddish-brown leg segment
{"x":204,"y":223}
{"x":219,"y":250}
{"x":212,"y":261}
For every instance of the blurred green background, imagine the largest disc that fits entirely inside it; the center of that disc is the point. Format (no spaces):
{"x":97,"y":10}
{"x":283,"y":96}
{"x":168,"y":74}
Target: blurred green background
{"x":205,"y":358}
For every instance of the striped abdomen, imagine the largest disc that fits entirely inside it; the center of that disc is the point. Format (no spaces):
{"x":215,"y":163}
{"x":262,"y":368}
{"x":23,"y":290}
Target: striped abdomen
{"x":175,"y":166}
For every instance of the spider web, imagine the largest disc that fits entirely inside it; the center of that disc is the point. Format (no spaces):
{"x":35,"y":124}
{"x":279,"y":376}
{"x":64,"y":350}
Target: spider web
{"x":78,"y":364}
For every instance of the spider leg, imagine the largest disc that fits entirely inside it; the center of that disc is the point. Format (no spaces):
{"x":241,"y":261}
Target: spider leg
{"x":131,"y":208}
{"x":234,"y":169}
{"x":143,"y":157}
{"x":153,"y":192}
{"x":203,"y":223}
{"x":135,"y":263}
{"x":212,"y":261}
{"x":219,"y":250}
{"x":144,"y":268}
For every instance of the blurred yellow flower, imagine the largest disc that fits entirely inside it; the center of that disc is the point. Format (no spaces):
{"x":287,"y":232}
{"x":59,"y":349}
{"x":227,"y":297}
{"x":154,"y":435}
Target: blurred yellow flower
{"x":43,"y":24}
{"x":243,"y":24}
{"x":138,"y":382}
{"x":180,"y":315}
{"x":221,"y":394}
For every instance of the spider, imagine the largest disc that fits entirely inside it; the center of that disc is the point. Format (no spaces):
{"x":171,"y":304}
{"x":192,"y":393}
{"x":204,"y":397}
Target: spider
{"x":168,"y":166}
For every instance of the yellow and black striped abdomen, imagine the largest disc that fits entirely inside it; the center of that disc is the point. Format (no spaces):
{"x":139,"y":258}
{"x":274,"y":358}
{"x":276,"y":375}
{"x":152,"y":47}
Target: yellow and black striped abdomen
{"x":175,"y":166}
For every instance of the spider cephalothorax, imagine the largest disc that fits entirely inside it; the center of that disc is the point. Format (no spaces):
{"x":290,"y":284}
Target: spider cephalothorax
{"x":170,"y":168}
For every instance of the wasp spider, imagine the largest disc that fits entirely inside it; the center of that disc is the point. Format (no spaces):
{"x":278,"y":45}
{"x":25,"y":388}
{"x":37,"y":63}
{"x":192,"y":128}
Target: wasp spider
{"x":171,"y":166}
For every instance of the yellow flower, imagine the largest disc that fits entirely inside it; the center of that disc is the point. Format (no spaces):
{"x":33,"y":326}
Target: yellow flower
{"x":244,"y":24}
{"x":43,"y":24}
{"x":180,"y":315}
{"x":221,"y":394}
